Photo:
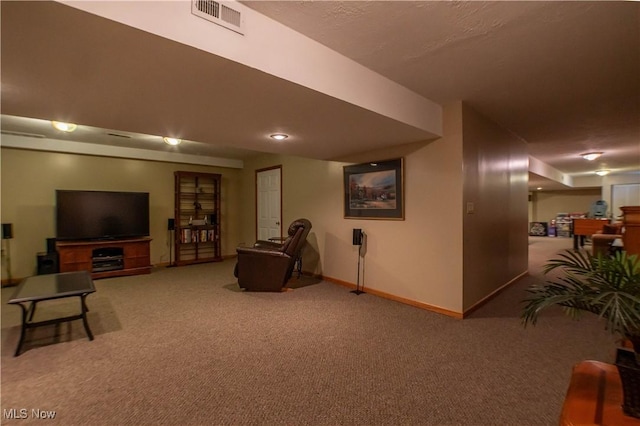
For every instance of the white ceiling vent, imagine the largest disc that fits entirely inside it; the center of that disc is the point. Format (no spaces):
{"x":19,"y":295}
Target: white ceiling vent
{"x":224,"y":13}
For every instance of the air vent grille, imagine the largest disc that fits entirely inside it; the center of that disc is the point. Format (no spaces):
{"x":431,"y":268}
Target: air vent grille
{"x":231,"y":16}
{"x":118,"y":135}
{"x":209,"y":7}
{"x":226,"y":14}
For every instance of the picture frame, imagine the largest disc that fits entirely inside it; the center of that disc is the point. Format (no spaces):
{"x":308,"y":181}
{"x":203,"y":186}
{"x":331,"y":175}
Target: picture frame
{"x":374,"y":190}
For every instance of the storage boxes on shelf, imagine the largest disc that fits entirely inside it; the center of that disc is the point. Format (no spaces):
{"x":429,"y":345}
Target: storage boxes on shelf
{"x":563,"y":225}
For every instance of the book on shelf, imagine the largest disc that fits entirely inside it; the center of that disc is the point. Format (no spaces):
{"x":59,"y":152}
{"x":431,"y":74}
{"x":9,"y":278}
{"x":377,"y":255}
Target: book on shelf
{"x":188,"y":235}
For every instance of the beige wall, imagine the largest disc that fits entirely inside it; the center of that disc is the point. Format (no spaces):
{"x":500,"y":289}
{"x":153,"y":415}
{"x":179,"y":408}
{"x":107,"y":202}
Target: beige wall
{"x":547,"y":204}
{"x":496,"y":207}
{"x":30,"y":178}
{"x":421,"y":258}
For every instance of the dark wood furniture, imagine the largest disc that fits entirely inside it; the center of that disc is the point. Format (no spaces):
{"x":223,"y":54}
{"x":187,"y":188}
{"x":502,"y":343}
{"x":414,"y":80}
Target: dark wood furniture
{"x":49,"y":287}
{"x":197,"y":218}
{"x":631,"y":236}
{"x":586,"y":228}
{"x":267,"y":265}
{"x":105,"y":259}
{"x":298,"y":265}
{"x":594,"y":397}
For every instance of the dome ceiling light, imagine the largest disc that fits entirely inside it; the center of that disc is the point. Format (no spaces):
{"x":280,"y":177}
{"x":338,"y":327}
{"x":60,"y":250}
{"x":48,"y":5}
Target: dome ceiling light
{"x":279,"y":136}
{"x":590,"y":156}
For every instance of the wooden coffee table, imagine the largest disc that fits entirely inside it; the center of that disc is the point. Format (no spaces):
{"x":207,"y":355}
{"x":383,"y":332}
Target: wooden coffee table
{"x":586,"y":228}
{"x":49,"y":287}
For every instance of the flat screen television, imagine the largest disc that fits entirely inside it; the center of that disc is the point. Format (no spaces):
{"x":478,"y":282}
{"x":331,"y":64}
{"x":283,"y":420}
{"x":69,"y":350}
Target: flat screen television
{"x":101,"y":215}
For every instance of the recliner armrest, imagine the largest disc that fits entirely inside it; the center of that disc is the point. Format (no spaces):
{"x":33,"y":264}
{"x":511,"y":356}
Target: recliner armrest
{"x":272,"y":245}
{"x":260,"y":251}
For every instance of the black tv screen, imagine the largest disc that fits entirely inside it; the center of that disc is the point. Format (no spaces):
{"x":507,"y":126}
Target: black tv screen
{"x":96,"y":215}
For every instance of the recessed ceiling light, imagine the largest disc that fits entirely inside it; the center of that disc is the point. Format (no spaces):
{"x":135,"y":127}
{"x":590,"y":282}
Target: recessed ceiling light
{"x":602,"y":172}
{"x":279,"y":136}
{"x":172,"y":141}
{"x":64,"y":127}
{"x":539,"y":188}
{"x":591,"y":155}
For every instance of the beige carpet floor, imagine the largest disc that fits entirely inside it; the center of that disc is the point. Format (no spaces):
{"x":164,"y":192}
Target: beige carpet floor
{"x":184,"y":346}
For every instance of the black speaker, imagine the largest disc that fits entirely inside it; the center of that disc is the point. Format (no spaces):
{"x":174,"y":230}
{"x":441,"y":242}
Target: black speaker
{"x":47,"y":263}
{"x":171,"y":224}
{"x":357,"y":237}
{"x":212,"y":219}
{"x":51,"y":245}
{"x":7,"y":231}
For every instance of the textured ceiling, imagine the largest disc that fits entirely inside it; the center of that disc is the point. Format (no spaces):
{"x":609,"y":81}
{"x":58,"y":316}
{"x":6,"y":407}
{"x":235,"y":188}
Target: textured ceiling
{"x":564,"y":76}
{"x":561,"y":75}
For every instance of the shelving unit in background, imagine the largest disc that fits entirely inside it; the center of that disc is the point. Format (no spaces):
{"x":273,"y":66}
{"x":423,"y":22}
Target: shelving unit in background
{"x":563,"y":225}
{"x":197,"y":218}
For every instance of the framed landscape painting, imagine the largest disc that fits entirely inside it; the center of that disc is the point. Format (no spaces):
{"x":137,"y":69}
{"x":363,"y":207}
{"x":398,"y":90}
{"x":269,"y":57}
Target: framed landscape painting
{"x":374,"y":190}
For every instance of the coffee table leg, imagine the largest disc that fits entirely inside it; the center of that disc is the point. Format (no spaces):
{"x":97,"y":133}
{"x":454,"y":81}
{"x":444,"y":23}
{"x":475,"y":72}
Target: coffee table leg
{"x":23,"y":329}
{"x":84,"y":316}
{"x":32,"y":310}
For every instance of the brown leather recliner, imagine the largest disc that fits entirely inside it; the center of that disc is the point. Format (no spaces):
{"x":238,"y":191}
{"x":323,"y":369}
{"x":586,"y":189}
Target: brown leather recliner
{"x":267,"y":266}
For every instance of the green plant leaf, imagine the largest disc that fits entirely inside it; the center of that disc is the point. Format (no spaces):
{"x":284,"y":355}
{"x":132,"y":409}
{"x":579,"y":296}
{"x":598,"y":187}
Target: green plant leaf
{"x":608,"y":286}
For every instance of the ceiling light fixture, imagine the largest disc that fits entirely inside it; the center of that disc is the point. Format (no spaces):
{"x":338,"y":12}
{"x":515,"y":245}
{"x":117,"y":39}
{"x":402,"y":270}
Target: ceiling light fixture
{"x":279,"y":136}
{"x":602,"y":172}
{"x":590,"y":156}
{"x":539,"y":188}
{"x":64,"y":127}
{"x":171,"y":141}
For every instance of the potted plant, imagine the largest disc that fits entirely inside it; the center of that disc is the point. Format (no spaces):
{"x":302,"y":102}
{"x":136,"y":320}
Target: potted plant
{"x":608,"y":286}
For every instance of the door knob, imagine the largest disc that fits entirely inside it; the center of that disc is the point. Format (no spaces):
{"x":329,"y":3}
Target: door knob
{"x":278,"y":223}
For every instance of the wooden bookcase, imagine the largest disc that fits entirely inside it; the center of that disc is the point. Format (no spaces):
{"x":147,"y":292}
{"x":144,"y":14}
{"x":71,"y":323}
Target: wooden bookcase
{"x":197,"y":218}
{"x":631,"y":236}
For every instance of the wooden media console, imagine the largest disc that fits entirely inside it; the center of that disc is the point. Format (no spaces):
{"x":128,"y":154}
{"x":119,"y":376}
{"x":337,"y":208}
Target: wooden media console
{"x":103,"y":259}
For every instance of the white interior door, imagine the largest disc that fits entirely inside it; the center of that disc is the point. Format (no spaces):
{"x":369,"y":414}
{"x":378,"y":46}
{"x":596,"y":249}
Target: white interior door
{"x":269,"y":202}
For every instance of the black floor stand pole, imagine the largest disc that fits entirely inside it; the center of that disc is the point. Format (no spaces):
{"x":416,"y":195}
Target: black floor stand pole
{"x":357,"y":290}
{"x":171,"y":264}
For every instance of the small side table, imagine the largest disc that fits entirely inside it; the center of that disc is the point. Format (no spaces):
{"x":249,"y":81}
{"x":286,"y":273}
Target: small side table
{"x":594,"y":397}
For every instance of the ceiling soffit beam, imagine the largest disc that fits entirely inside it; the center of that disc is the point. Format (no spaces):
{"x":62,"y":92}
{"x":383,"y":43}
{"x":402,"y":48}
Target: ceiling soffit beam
{"x":277,"y":50}
{"x":84,"y":148}
{"x":543,"y":169}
